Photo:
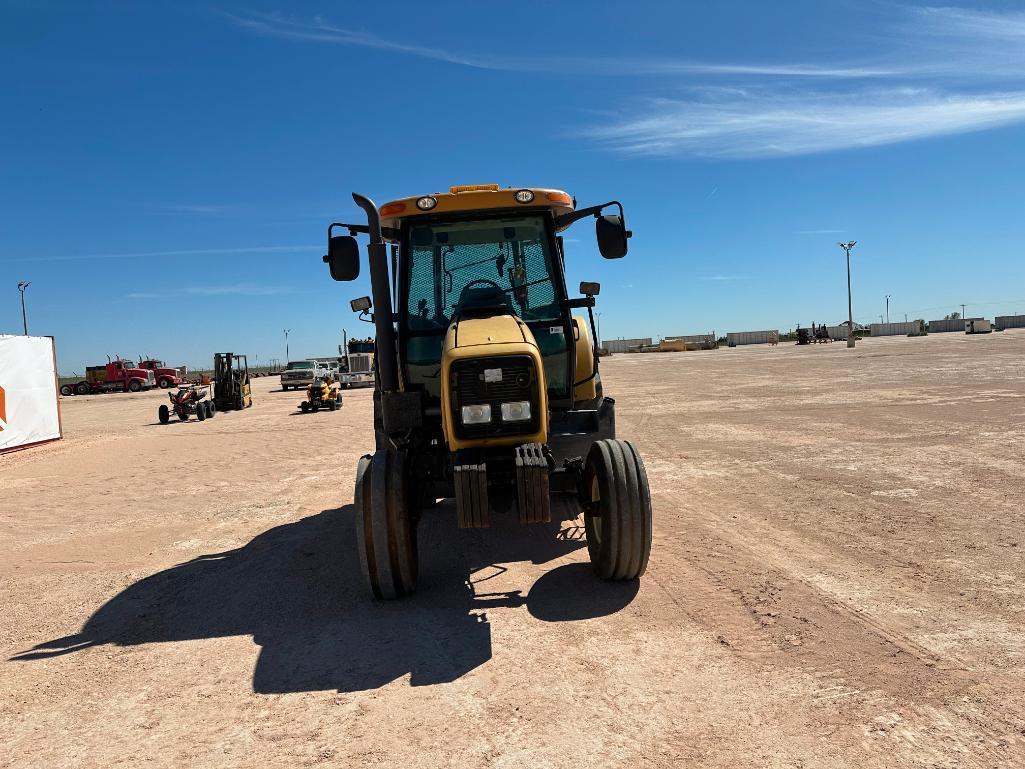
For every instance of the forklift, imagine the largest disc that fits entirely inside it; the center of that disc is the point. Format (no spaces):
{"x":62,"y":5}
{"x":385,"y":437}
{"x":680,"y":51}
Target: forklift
{"x":232,"y":390}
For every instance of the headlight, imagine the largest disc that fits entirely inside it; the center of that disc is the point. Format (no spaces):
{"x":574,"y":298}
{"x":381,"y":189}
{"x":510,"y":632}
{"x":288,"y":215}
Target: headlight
{"x":477,"y":415}
{"x":426,"y":203}
{"x":517,"y":411}
{"x":524,"y":196}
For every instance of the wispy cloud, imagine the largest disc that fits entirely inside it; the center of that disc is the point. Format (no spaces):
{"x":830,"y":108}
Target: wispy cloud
{"x":319,"y":30}
{"x":155,"y":254}
{"x":775,"y":123}
{"x":238,"y":289}
{"x":931,"y":71}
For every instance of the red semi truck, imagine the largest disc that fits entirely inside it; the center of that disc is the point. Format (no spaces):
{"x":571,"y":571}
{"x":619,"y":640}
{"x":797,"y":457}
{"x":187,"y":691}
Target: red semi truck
{"x":118,"y":375}
{"x":165,"y":375}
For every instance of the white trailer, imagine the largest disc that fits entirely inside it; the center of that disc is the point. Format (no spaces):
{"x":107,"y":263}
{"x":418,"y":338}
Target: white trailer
{"x":977,"y":327}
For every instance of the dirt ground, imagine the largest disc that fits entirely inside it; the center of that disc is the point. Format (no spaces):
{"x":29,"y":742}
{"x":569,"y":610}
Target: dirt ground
{"x":836,"y":581}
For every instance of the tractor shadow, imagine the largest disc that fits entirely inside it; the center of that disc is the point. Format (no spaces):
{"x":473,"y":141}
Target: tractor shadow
{"x":298,"y":590}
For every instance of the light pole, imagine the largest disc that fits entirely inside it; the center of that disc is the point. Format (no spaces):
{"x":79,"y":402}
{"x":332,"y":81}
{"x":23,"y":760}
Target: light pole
{"x":887,"y":308}
{"x":962,"y":312}
{"x":850,"y":312}
{"x":22,"y":285}
{"x":286,"y":344}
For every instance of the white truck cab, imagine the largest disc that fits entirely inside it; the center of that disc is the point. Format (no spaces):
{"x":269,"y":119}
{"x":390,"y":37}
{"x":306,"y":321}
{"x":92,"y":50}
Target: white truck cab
{"x":299,"y":374}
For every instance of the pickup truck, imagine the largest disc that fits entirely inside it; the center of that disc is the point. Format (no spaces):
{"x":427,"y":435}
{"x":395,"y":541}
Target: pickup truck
{"x":299,"y":374}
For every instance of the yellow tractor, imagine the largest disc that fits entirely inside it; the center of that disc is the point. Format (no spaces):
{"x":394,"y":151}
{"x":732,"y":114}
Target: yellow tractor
{"x":323,"y":392}
{"x":487,"y":385}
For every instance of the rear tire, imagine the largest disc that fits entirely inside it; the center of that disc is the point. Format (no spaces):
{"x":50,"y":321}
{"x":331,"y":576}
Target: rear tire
{"x":211,"y":408}
{"x":331,"y":405}
{"x":384,"y":525}
{"x":304,"y":407}
{"x":164,"y":414}
{"x":200,"y":411}
{"x":81,"y":389}
{"x":66,"y":390}
{"x":617,"y":510}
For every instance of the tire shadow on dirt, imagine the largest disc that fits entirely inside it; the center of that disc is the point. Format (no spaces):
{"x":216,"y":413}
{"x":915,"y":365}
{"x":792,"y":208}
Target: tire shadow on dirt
{"x":298,"y":590}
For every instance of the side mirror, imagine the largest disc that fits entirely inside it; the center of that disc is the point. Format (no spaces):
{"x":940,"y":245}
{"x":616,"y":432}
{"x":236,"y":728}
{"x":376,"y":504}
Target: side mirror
{"x":360,"y":305}
{"x":590,"y":289}
{"x":612,"y":235}
{"x":343,"y":257}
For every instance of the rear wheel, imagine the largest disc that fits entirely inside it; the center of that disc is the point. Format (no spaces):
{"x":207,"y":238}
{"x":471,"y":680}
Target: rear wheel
{"x":81,"y":388}
{"x":384,"y":525}
{"x":331,"y":405}
{"x":164,"y":414}
{"x":200,"y":411}
{"x":617,"y":510}
{"x":211,"y":407}
{"x":66,"y":390}
{"x":304,"y":407}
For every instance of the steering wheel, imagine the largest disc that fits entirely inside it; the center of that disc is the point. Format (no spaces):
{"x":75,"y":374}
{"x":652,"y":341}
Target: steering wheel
{"x":484,"y":282}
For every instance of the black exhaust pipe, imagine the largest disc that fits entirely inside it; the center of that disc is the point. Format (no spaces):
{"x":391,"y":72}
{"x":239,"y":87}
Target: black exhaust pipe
{"x":387,"y":351}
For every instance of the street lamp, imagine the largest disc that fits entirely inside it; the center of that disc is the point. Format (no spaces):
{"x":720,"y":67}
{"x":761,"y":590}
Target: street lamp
{"x":887,"y":308}
{"x":22,"y":285}
{"x":850,"y":312}
{"x":286,"y":344}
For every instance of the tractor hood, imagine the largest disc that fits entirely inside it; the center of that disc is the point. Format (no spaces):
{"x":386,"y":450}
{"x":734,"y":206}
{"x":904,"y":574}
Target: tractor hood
{"x":497,"y":329}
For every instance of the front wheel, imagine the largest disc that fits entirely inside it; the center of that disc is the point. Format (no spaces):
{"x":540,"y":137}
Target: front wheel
{"x":134,"y":386}
{"x":617,"y":510}
{"x":304,"y":407}
{"x":164,"y":383}
{"x":385,"y":529}
{"x":211,"y":408}
{"x":200,"y":411}
{"x":164,"y":415}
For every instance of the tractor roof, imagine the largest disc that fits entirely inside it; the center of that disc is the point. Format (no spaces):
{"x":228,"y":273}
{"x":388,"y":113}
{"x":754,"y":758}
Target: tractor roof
{"x":474,"y":198}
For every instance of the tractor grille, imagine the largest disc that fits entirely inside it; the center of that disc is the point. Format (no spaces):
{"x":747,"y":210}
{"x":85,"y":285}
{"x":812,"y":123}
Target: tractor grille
{"x":471,"y":386}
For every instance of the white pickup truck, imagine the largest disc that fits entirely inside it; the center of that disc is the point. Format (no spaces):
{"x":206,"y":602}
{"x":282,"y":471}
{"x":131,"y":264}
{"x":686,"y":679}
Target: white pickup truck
{"x":299,"y":374}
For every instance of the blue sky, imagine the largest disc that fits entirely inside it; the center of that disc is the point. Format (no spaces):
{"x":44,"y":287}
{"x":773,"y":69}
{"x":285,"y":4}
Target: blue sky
{"x":169,"y":170}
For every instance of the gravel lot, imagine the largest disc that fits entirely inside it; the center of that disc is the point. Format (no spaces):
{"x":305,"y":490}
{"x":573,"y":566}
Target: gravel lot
{"x":836,"y":580}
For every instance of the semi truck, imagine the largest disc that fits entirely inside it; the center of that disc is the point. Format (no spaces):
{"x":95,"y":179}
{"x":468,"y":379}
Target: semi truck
{"x":118,"y":375}
{"x":164,"y":374}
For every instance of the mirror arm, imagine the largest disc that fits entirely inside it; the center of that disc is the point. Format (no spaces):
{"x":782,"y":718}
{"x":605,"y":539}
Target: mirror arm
{"x":388,"y":233}
{"x":575,"y":216}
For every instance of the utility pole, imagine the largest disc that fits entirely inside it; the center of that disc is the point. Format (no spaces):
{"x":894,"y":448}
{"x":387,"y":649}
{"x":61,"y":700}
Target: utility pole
{"x":850,"y":312}
{"x":22,"y":285}
{"x":962,"y":312}
{"x":286,"y":344}
{"x":906,"y":317}
{"x":887,"y":308}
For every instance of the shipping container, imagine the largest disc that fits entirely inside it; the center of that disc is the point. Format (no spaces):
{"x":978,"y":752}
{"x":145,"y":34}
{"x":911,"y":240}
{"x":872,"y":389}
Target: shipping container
{"x":896,"y":329}
{"x":948,"y":324}
{"x":837,"y":333}
{"x":624,"y":345}
{"x":977,"y":326}
{"x":735,"y":338}
{"x":1009,"y":321}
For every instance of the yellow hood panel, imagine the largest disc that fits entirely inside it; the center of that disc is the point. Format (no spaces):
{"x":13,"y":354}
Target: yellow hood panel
{"x":494,"y":330}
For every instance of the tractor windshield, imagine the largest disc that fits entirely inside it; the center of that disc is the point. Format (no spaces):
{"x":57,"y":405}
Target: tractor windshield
{"x":455,"y":268}
{"x":455,"y":265}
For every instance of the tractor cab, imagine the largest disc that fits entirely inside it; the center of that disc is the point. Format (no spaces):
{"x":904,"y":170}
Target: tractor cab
{"x":488,"y":387}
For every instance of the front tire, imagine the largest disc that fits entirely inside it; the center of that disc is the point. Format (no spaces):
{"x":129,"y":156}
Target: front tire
{"x":617,"y":510}
{"x":200,"y":411}
{"x":134,"y":386}
{"x":164,"y":414}
{"x":385,"y":529}
{"x":164,"y":383}
{"x":304,"y":407}
{"x":211,"y":408}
